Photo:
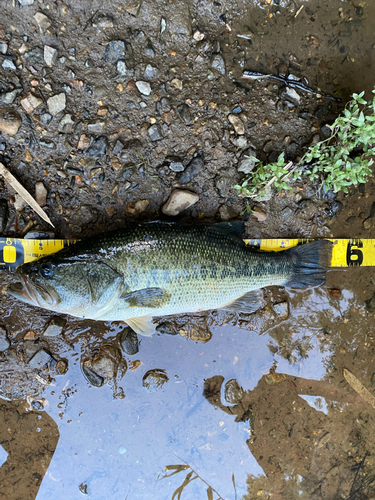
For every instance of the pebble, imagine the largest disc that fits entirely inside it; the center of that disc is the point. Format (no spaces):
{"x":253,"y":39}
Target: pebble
{"x":153,"y":380}
{"x":167,"y":328}
{"x":176,"y":166}
{"x":282,"y":310}
{"x":8,"y":64}
{"x":4,"y":342}
{"x":96,"y":128}
{"x":183,"y":111}
{"x":56,"y":103}
{"x":194,"y":168}
{"x":25,"y":2}
{"x":40,"y":193}
{"x":61,"y":367}
{"x":103,"y":21}
{"x":233,"y":392}
{"x":240,"y":142}
{"x":224,"y":185}
{"x":154,"y":133}
{"x":40,"y":359}
{"x":118,"y":147}
{"x":248,"y":162}
{"x":30,"y":102}
{"x":237,"y":123}
{"x":10,"y":121}
{"x":198,"y":36}
{"x":292,"y":96}
{"x":92,"y":378}
{"x":3,"y":47}
{"x":42,"y":21}
{"x":143,"y":87}
{"x":227,"y":213}
{"x":217,"y":62}
{"x":149,"y":49}
{"x":66,"y":125}
{"x":115,"y":50}
{"x":151,"y":72}
{"x":8,"y":97}
{"x":137,"y":207}
{"x":179,"y":201}
{"x":98,"y":147}
{"x":163,"y":25}
{"x":177,"y":83}
{"x":55,"y":327}
{"x":45,"y":117}
{"x":19,"y":202}
{"x":4,"y":214}
{"x":105,"y":362}
{"x":134,"y":7}
{"x":50,"y":55}
{"x":200,"y":334}
{"x":129,"y":341}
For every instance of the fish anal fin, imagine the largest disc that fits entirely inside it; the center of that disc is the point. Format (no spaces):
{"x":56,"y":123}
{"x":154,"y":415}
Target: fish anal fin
{"x":247,"y":303}
{"x":147,"y":297}
{"x":142,"y":325}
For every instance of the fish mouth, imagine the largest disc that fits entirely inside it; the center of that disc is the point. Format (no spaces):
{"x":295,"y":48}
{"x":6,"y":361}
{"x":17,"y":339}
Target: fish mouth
{"x":31,"y":293}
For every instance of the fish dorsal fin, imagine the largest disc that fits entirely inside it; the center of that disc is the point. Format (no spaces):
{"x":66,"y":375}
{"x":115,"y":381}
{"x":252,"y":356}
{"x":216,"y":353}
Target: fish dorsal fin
{"x":147,"y":297}
{"x":248,"y":303}
{"x":232,"y":228}
{"x":142,"y":325}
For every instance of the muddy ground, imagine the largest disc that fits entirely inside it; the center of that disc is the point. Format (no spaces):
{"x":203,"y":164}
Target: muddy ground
{"x":106,"y":109}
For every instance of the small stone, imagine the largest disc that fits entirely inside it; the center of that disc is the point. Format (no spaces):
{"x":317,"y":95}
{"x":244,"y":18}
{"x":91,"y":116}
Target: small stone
{"x":25,"y":2}
{"x":154,"y":133}
{"x":233,"y":392}
{"x":118,"y":148}
{"x":154,"y":380}
{"x":93,"y":379}
{"x":45,"y":117}
{"x":96,"y":128}
{"x":42,"y":21}
{"x":194,"y":168}
{"x":129,"y":341}
{"x":137,"y":207}
{"x":248,"y":163}
{"x":4,"y":342}
{"x":335,"y":292}
{"x":55,"y":327}
{"x":282,"y":310}
{"x":122,"y":450}
{"x":8,"y":97}
{"x":183,"y":111}
{"x":29,"y":335}
{"x":19,"y":202}
{"x":227,"y":213}
{"x":176,"y":166}
{"x":50,"y":55}
{"x":122,"y":69}
{"x":179,"y":201}
{"x":240,"y":142}
{"x":40,"y":193}
{"x":66,"y":125}
{"x":134,"y":7}
{"x":224,"y":185}
{"x":98,"y":147}
{"x":151,"y":72}
{"x":40,"y":359}
{"x":56,"y":103}
{"x":149,"y":50}
{"x":217,"y":62}
{"x":163,"y":25}
{"x":28,"y":156}
{"x":8,"y":64}
{"x":30,"y":102}
{"x":103,"y":21}
{"x":3,"y":47}
{"x":115,"y":50}
{"x":292,"y":96}
{"x":198,"y":36}
{"x":237,"y":123}
{"x":177,"y":83}
{"x":143,"y":87}
{"x":61,"y":367}
{"x":10,"y":121}
{"x":200,"y":334}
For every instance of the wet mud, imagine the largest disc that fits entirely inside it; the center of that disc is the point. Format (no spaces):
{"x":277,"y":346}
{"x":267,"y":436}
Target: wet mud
{"x":148,"y":98}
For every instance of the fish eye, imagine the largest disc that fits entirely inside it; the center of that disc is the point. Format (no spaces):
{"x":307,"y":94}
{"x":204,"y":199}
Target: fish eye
{"x":46,"y":271}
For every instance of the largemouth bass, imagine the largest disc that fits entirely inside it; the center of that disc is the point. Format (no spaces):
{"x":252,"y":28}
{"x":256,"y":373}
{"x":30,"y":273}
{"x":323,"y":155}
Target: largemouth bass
{"x":158,"y":269}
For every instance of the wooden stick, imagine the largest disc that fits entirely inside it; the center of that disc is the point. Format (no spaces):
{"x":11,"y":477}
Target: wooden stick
{"x":25,"y":194}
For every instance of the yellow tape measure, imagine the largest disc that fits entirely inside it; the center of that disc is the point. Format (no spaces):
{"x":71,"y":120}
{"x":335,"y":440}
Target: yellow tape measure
{"x":346,"y":252}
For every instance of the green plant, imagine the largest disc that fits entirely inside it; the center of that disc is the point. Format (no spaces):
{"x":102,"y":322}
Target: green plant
{"x":342,"y":160}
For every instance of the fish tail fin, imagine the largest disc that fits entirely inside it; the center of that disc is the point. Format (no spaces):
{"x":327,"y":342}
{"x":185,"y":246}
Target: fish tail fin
{"x":310,"y":263}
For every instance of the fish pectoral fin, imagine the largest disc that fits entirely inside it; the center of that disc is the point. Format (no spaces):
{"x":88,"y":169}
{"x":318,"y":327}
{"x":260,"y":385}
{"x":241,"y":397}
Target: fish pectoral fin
{"x":142,"y":325}
{"x":147,"y":297}
{"x":247,"y":303}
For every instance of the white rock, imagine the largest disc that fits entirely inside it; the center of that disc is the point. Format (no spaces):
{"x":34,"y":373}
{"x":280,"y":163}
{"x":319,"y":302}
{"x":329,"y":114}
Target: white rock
{"x":198,"y":36}
{"x":40,"y":193}
{"x":151,"y":72}
{"x":56,"y":103}
{"x":179,"y":201}
{"x":143,"y":87}
{"x":163,"y":25}
{"x":8,"y":64}
{"x":42,"y":21}
{"x":96,"y":128}
{"x":30,"y":102}
{"x":66,"y":125}
{"x":26,"y":2}
{"x":50,"y":55}
{"x":19,"y":202}
{"x":3,"y":47}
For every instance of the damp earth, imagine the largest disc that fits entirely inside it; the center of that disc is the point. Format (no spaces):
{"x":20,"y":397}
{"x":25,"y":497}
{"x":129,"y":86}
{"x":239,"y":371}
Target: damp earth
{"x":122,"y":111}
